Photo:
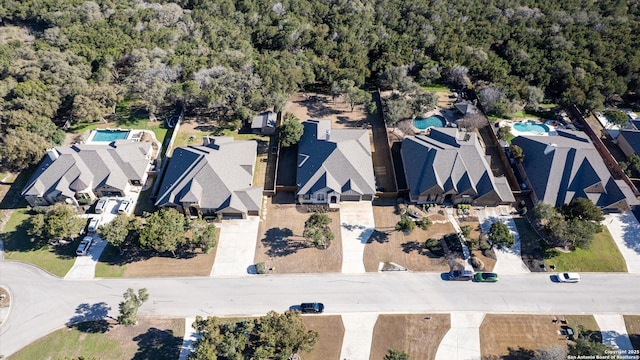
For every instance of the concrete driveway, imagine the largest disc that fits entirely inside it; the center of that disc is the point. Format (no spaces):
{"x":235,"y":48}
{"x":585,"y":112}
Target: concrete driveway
{"x":625,"y":230}
{"x":462,"y":341}
{"x":85,"y":266}
{"x":236,"y":247}
{"x":358,"y":334}
{"x":356,"y":227}
{"x":614,"y":332}
{"x":509,"y":261}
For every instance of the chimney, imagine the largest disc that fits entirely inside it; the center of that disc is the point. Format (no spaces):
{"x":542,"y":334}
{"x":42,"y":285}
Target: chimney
{"x":53,"y":154}
{"x":327,"y":135}
{"x":550,"y":147}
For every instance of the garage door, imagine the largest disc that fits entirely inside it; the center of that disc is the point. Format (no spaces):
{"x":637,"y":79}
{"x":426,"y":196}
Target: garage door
{"x":349,"y":197}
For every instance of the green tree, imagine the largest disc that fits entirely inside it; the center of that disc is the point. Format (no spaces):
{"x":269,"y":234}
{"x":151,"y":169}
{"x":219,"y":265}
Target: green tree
{"x":634,"y":161}
{"x":282,"y":335}
{"x":583,"y":209}
{"x":117,"y":230}
{"x":291,"y":130}
{"x":395,"y":354}
{"x":317,"y":231}
{"x":406,"y":224}
{"x":586,"y":347}
{"x":55,"y":223}
{"x":617,"y":117}
{"x":356,"y":96}
{"x":544,"y":212}
{"x":424,"y":223}
{"x":504,"y":133}
{"x":20,"y":149}
{"x":164,"y":230}
{"x":466,"y":231}
{"x":129,"y":306}
{"x":205,"y":235}
{"x":517,"y":153}
{"x":500,"y":235}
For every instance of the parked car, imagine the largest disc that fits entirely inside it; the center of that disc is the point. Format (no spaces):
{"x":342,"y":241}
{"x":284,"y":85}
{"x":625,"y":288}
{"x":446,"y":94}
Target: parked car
{"x":312,"y":308}
{"x":568,"y":277}
{"x":461,"y":275}
{"x":125,"y":204}
{"x":84,"y":246}
{"x":101,"y":204}
{"x":93,"y":224}
{"x":485,"y":277}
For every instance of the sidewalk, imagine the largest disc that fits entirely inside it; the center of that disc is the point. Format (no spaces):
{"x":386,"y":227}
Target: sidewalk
{"x":189,"y":338}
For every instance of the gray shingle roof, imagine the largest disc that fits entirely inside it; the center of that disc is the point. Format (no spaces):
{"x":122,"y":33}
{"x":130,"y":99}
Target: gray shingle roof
{"x":83,"y":166}
{"x":451,"y":161}
{"x":264,"y":119}
{"x":633,"y":138}
{"x":339,"y":159}
{"x":563,"y":167}
{"x":217,"y":176}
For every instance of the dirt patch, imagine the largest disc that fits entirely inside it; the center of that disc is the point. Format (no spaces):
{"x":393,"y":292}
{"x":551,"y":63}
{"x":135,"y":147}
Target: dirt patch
{"x":515,"y":337}
{"x":419,"y":335}
{"x":331,"y":333}
{"x":194,"y":265}
{"x":388,"y":245}
{"x":5,"y":299}
{"x":282,"y":247}
{"x":446,"y":100}
{"x":307,"y":106}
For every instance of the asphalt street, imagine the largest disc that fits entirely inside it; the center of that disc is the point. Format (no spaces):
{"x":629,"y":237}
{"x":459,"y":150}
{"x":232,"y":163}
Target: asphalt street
{"x":42,"y":303}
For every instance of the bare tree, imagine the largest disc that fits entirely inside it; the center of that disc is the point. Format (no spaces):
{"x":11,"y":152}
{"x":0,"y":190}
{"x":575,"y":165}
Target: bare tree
{"x":472,"y":121}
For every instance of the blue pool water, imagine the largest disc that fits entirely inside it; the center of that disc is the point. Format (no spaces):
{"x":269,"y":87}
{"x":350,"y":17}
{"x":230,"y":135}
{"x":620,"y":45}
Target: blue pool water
{"x":531,"y":127}
{"x":431,"y":121}
{"x":110,"y":135}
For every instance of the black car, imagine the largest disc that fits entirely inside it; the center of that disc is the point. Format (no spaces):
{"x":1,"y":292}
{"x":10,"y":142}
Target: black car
{"x":461,"y":275}
{"x":312,"y":308}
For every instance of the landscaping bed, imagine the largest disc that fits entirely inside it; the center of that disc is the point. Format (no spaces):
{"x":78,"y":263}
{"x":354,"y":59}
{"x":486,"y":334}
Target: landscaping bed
{"x":419,"y":335}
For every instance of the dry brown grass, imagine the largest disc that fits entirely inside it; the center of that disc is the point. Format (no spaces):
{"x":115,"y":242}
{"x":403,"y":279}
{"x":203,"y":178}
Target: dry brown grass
{"x":444,"y":100}
{"x":320,"y":106}
{"x":281,"y":245}
{"x":330,"y":331}
{"x":198,"y":265}
{"x":632,"y":323}
{"x":419,"y":335}
{"x":389,"y":245}
{"x":512,"y":336}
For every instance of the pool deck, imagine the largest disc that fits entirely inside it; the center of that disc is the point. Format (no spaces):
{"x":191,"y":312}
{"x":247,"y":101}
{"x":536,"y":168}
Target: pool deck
{"x":552,"y":125}
{"x":132,"y":134}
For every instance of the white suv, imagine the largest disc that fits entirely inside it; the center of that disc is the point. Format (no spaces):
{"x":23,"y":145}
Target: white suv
{"x":93,"y":224}
{"x":84,"y":246}
{"x":125,"y":205}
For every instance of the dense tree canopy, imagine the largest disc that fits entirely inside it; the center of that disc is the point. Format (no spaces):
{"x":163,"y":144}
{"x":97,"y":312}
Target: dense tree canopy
{"x":54,"y":223}
{"x":73,"y":60}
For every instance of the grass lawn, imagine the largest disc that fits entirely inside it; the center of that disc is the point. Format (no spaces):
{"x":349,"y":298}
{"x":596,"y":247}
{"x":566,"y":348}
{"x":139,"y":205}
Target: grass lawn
{"x":436,"y":87}
{"x":602,"y":256}
{"x":19,"y":246}
{"x":149,"y":339}
{"x":633,"y":329}
{"x":108,"y":266}
{"x":419,"y":335}
{"x":330,"y":331}
{"x":515,"y":337}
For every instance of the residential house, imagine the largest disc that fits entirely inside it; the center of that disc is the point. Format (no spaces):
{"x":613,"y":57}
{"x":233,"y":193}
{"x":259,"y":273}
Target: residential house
{"x":80,"y":173}
{"x":466,"y":108}
{"x":264,"y":123}
{"x":215,"y":178}
{"x":566,"y":166}
{"x":449,"y":166}
{"x":334,"y":165}
{"x":629,"y":141}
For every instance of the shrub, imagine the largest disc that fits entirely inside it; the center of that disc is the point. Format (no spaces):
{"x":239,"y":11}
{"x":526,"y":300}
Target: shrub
{"x":261,"y":268}
{"x":405,"y":225}
{"x":466,"y":231}
{"x":424,"y":223}
{"x":434,"y":246}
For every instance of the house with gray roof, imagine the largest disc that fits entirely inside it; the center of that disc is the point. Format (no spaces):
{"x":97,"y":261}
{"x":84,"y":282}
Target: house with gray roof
{"x":449,"y":165}
{"x":79,"y":173}
{"x":264,"y":123}
{"x":566,"y":166}
{"x":215,"y":178}
{"x":334,"y":165}
{"x":629,"y":141}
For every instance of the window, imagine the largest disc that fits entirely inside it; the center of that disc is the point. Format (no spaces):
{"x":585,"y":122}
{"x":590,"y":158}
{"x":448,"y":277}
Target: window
{"x":320,"y":197}
{"x":307,"y":197}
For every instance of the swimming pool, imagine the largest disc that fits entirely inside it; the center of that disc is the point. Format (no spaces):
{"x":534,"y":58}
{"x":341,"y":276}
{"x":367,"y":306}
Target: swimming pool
{"x":431,"y":121}
{"x":530,"y":126}
{"x":110,"y":135}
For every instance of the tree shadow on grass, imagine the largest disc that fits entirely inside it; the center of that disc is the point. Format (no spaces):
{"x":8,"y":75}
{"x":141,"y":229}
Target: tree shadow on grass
{"x":91,"y":318}
{"x":157,"y":344}
{"x":278,"y":243}
{"x":378,"y":236}
{"x":411,"y":246}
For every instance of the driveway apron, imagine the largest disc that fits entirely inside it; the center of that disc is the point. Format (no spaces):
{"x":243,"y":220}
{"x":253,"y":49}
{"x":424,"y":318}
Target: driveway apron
{"x":189,"y":338}
{"x":236,"y":247}
{"x":614,"y":332}
{"x":356,"y":227}
{"x":462,"y":341}
{"x":85,"y":266}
